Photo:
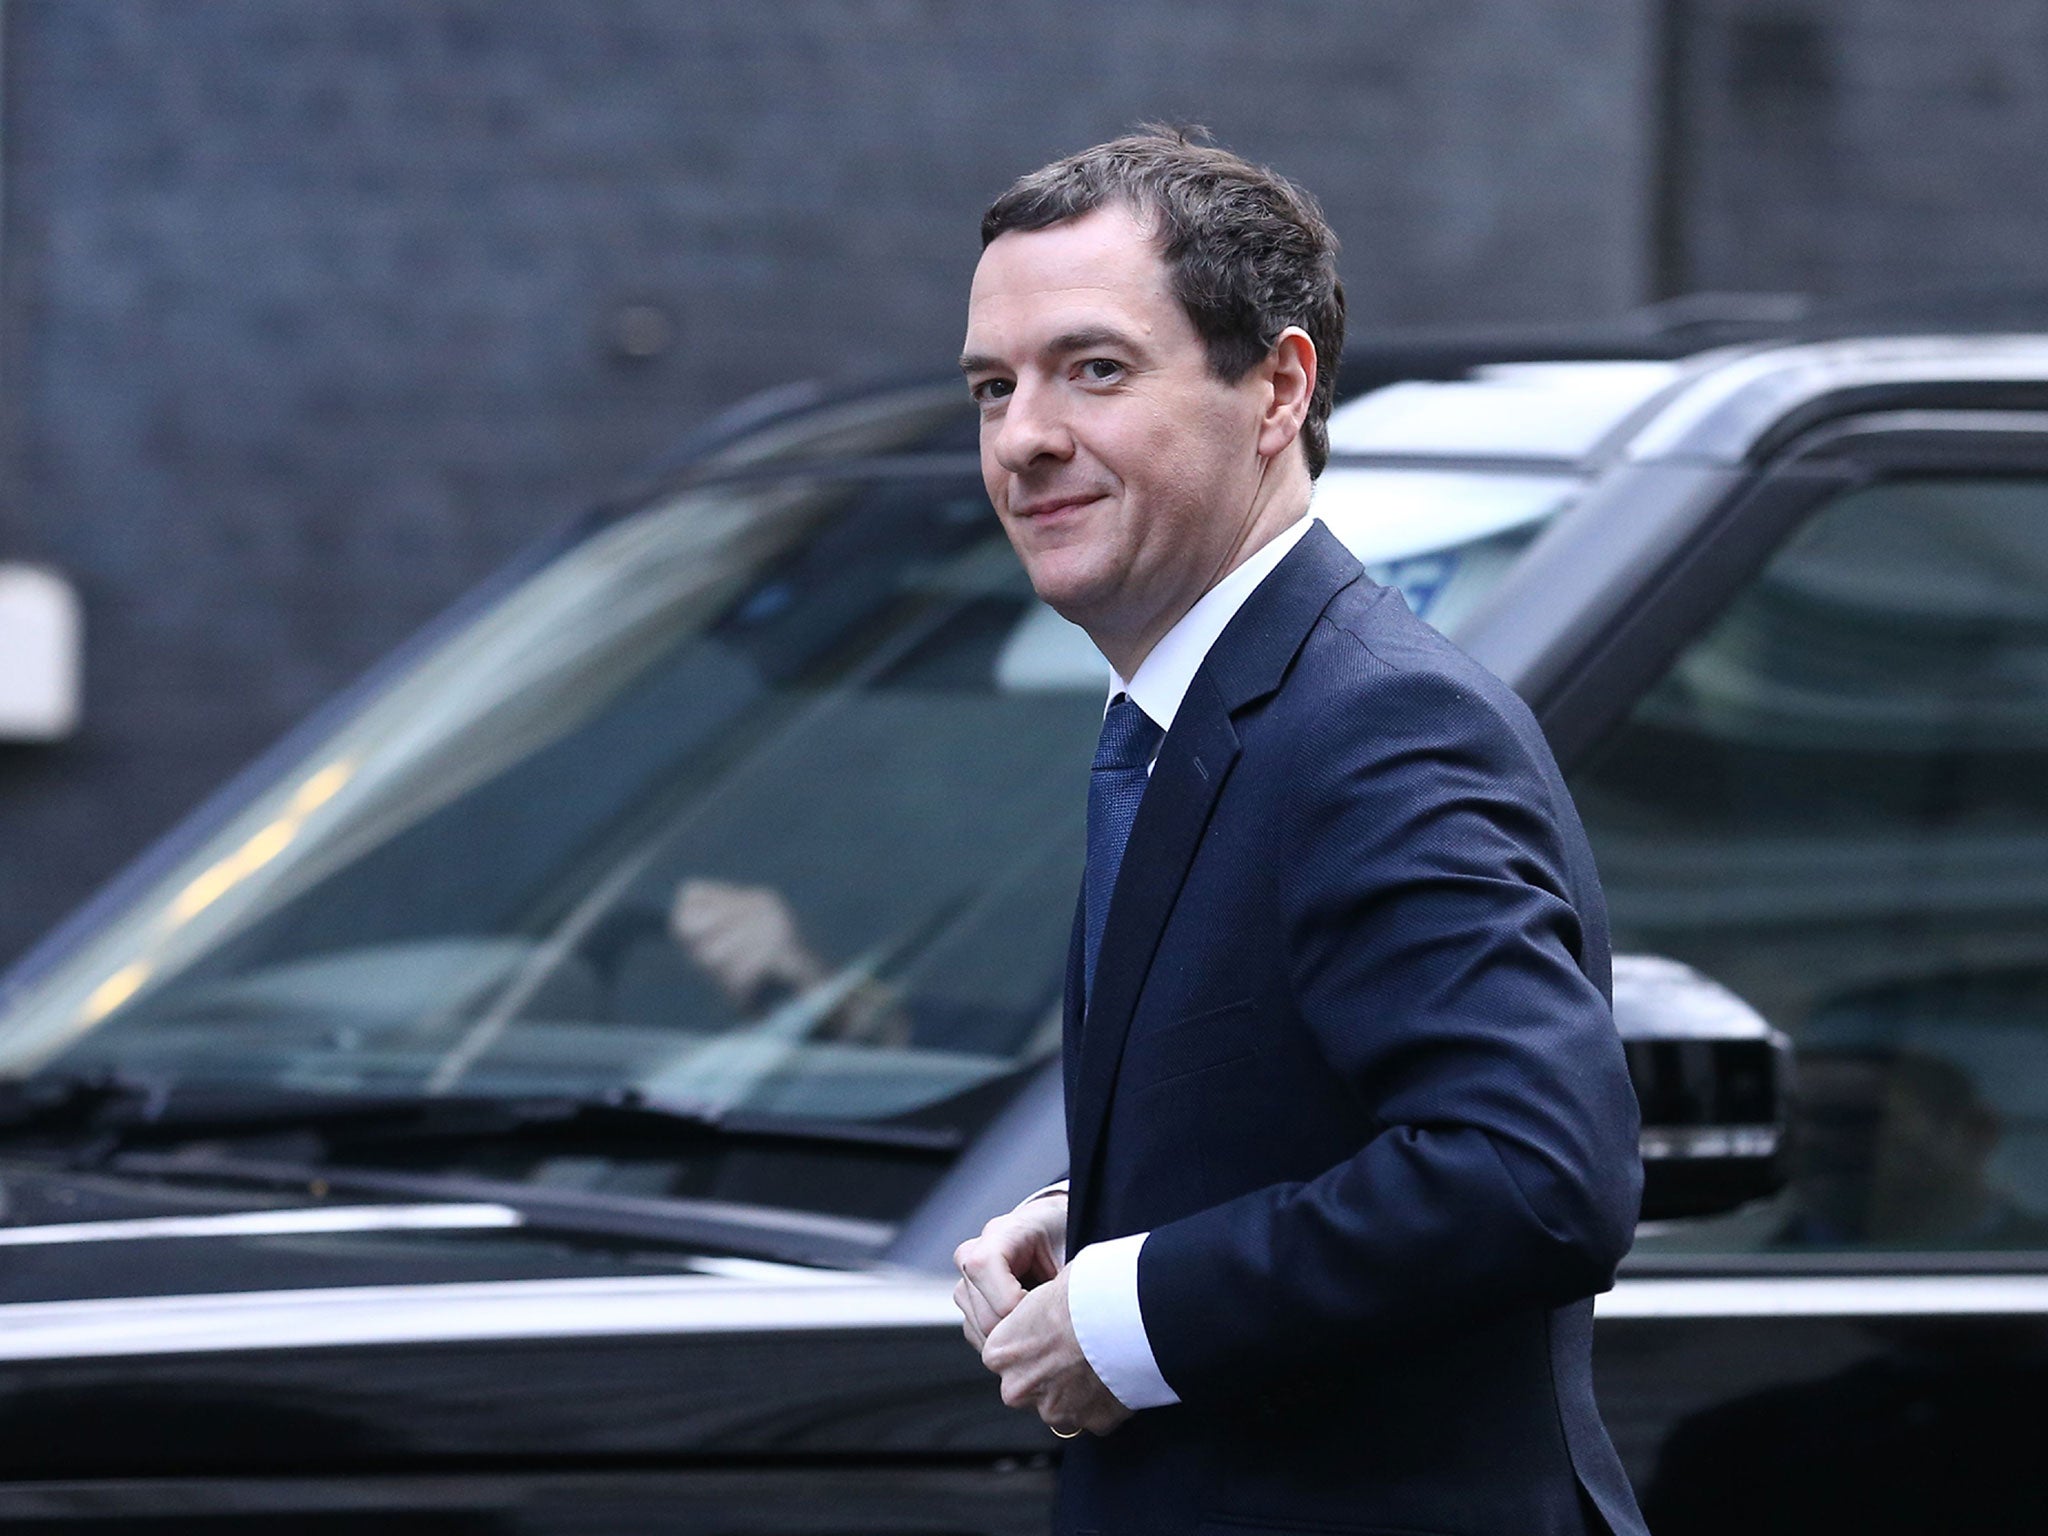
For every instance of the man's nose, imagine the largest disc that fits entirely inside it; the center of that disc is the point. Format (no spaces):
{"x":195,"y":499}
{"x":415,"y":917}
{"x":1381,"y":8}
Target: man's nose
{"x":1031,"y":430}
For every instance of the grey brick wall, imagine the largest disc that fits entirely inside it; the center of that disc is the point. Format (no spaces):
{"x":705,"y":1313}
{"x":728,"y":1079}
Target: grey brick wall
{"x":1850,"y":148}
{"x":309,"y":306}
{"x":310,"y":310}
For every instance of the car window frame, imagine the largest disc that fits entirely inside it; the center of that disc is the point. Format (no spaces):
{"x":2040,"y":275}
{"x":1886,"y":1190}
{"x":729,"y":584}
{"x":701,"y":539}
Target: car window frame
{"x":1583,"y":626}
{"x":1721,"y":544}
{"x":1624,"y":607}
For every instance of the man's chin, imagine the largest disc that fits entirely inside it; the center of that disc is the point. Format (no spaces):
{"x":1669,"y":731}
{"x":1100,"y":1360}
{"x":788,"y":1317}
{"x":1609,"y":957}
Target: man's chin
{"x":1074,"y":601}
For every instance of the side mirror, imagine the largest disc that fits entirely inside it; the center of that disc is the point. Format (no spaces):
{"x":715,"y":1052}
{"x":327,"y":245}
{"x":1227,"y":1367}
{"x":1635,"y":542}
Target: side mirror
{"x":1715,"y":1084}
{"x":40,"y":643}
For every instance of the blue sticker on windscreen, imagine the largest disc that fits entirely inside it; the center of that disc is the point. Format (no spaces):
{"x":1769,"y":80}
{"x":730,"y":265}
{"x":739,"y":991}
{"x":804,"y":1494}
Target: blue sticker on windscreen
{"x":1421,"y":578}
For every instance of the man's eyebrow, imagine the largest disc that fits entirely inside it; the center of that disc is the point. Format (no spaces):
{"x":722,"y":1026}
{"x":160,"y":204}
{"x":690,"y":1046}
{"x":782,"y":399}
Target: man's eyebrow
{"x":1087,"y":338}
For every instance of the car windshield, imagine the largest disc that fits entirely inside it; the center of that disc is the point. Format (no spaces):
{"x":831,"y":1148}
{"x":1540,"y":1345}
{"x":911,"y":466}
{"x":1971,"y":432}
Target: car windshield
{"x":765,"y":796}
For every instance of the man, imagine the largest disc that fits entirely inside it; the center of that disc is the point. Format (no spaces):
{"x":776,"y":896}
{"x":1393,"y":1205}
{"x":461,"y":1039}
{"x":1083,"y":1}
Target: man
{"x":1352,"y":1143}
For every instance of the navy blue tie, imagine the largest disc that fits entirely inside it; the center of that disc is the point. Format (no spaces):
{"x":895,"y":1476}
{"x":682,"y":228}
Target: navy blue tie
{"x":1115,"y":786}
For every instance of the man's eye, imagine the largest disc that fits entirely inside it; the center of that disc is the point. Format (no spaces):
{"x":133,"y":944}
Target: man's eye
{"x":988,"y":391}
{"x":1102,"y":370}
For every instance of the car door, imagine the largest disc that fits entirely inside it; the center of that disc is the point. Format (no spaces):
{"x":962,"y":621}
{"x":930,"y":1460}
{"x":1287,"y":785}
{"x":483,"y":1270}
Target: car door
{"x":1818,"y":773}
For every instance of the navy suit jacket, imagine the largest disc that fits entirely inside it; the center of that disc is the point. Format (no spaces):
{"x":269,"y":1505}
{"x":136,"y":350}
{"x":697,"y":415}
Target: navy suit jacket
{"x":1351,"y":1062}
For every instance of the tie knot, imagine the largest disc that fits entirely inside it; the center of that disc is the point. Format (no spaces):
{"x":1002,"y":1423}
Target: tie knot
{"x":1129,"y":738}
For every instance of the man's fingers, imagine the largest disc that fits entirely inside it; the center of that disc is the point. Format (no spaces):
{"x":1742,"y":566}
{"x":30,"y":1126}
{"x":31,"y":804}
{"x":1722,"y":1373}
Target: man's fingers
{"x":1009,"y":1352}
{"x":1015,"y":1250}
{"x":980,"y":1317}
{"x":969,"y":1325}
{"x":987,"y":1268}
{"x":1069,"y":1406}
{"x":1044,"y":1368}
{"x":998,"y":1289}
{"x":1018,"y":1247}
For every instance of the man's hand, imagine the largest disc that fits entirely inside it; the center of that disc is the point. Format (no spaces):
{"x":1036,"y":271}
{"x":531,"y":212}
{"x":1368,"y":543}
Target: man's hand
{"x":744,"y":937}
{"x":1039,"y":1359}
{"x":1015,"y":1251}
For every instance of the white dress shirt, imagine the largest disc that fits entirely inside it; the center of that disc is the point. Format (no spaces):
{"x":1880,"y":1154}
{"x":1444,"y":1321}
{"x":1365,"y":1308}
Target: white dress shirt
{"x":1102,"y":1279}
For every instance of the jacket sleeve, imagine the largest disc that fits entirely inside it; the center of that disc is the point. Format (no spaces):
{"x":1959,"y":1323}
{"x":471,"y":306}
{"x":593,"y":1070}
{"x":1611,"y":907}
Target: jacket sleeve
{"x":1432,"y":947}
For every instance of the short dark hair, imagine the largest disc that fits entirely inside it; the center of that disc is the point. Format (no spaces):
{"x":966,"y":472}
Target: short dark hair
{"x":1249,"y":252}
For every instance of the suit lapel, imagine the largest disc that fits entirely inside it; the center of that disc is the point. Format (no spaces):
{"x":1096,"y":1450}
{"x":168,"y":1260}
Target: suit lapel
{"x":1247,"y":662}
{"x":1070,"y":1004}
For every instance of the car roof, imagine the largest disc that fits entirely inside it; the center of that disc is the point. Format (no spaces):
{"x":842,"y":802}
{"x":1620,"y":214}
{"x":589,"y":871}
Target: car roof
{"x":1709,"y":378}
{"x":1729,"y":405}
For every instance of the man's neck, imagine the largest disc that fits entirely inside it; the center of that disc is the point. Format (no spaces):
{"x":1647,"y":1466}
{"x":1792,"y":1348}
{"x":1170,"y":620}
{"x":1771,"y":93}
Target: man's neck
{"x":1277,"y":511}
{"x":1162,"y":681}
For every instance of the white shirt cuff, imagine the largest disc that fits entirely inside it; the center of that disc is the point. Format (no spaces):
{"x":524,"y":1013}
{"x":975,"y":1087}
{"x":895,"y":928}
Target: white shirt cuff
{"x":1102,"y":1299}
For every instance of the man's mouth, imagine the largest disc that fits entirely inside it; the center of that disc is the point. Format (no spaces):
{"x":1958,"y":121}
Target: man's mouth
{"x":1052,"y":506}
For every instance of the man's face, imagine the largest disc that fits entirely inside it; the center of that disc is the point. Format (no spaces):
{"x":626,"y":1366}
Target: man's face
{"x":1123,"y":470}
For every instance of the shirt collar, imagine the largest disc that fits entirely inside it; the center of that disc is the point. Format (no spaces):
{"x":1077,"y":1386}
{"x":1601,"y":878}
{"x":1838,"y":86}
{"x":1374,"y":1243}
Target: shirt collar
{"x":1163,"y":676}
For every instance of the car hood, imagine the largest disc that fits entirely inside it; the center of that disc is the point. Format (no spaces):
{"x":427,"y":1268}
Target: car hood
{"x":69,"y":1236}
{"x":246,"y":1329}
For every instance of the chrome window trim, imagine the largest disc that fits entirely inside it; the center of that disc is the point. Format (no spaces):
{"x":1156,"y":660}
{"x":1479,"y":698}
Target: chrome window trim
{"x":779,"y":1299}
{"x":337,"y":1218}
{"x":487,"y":1310}
{"x":1826,"y":1296}
{"x":1720,"y":417}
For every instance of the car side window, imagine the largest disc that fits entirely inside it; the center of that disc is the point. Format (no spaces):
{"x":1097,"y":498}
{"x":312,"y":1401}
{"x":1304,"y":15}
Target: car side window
{"x":1836,"y":803}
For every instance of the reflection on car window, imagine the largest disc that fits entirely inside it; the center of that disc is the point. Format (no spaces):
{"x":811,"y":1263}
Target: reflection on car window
{"x":1836,"y":802}
{"x":1443,"y":537}
{"x":782,"y":841}
{"x":766,"y":797}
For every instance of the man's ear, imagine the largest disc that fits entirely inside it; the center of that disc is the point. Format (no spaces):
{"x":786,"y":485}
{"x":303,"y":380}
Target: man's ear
{"x":1289,"y":373}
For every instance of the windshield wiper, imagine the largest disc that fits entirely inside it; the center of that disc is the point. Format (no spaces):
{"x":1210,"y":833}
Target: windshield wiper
{"x":123,"y":1113}
{"x":721,"y":1226}
{"x":354,"y":1144}
{"x":71,"y":1105}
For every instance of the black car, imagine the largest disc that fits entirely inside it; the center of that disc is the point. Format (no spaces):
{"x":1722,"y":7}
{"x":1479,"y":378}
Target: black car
{"x":543,"y":1094}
